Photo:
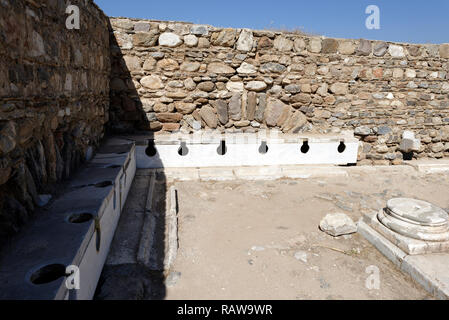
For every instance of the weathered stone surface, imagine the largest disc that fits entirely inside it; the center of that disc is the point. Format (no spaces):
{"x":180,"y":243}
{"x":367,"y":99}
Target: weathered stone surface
{"x":170,"y":126}
{"x":124,"y":24}
{"x":414,"y":51}
{"x":184,"y":107}
{"x":261,"y":106}
{"x":152,"y":82}
{"x":241,"y":123}
{"x":132,"y":63}
{"x":189,"y":84}
{"x":222,"y":110}
{"x":409,"y":143}
{"x":295,"y":123}
{"x":145,"y":39}
{"x":208,"y":115}
{"x":220,"y":68}
{"x":124,"y":40}
{"x":362,"y":131}
{"x":234,"y":86}
{"x":168,"y":65}
{"x":339,"y":88}
{"x":256,"y":86}
{"x":329,"y":46}
{"x":396,"y":51}
{"x":315,"y":45}
{"x":224,"y":38}
{"x":272,"y":67}
{"x":141,"y":26}
{"x":274,"y":110}
{"x":169,"y":117}
{"x":299,"y":44}
{"x":245,"y":41}
{"x":247,"y":68}
{"x":346,"y":47}
{"x":283,"y":44}
{"x":383,"y":130}
{"x":207,"y":86}
{"x":168,"y":39}
{"x":203,"y":43}
{"x":364,"y":48}
{"x":437,"y":147}
{"x":302,"y":98}
{"x":190,"y":66}
{"x":235,"y":107}
{"x":444,"y":51}
{"x":264,"y":43}
{"x":200,"y":30}
{"x":190,"y":40}
{"x":380,"y":49}
{"x":251,"y":106}
{"x":293,"y":88}
{"x":337,"y":224}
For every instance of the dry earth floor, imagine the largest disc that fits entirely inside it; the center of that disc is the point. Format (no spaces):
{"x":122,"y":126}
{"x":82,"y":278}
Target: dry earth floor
{"x":260,"y":239}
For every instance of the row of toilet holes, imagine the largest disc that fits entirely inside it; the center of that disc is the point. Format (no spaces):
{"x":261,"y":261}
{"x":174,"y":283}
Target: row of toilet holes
{"x":52,"y":272}
{"x":222,"y":149}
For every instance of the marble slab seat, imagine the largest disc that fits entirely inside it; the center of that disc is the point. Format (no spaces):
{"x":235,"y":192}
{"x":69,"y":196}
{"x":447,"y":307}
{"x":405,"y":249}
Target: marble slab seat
{"x":76,"y":229}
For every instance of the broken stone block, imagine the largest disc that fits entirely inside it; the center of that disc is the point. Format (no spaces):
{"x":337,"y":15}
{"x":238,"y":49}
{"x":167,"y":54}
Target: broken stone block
{"x":337,"y":224}
{"x":409,"y":143}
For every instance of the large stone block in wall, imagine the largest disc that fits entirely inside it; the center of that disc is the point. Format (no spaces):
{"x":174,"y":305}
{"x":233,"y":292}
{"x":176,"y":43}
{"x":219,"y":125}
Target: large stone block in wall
{"x":444,"y":51}
{"x":245,"y":41}
{"x":169,"y":39}
{"x":222,"y":110}
{"x":283,"y":44}
{"x":185,"y":107}
{"x":224,"y":38}
{"x":365,"y":47}
{"x":152,"y":82}
{"x":273,"y":112}
{"x":132,"y":63}
{"x":235,"y":107}
{"x":396,"y":51}
{"x":169,"y":117}
{"x":145,"y":39}
{"x":329,"y":46}
{"x":346,"y":47}
{"x":315,"y":45}
{"x":220,"y":68}
{"x":209,"y":117}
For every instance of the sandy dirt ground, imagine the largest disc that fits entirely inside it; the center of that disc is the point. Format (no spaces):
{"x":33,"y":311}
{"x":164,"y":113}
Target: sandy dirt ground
{"x":260,"y":239}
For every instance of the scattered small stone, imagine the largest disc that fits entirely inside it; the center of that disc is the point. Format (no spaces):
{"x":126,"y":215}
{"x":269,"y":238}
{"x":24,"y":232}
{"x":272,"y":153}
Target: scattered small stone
{"x":301,"y":255}
{"x":324,"y":284}
{"x":337,"y":224}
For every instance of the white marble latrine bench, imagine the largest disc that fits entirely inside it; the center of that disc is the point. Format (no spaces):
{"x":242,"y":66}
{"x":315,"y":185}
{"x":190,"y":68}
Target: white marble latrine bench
{"x":75,"y":230}
{"x":234,"y":150}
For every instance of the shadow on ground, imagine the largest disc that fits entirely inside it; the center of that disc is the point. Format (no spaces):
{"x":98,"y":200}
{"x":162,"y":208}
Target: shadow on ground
{"x":126,"y":276}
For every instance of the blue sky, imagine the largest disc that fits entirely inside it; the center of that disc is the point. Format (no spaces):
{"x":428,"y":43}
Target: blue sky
{"x":412,"y":21}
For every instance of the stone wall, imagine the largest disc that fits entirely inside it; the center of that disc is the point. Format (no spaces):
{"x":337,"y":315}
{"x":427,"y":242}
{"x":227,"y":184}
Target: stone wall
{"x":170,"y":75}
{"x":54,"y":99}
